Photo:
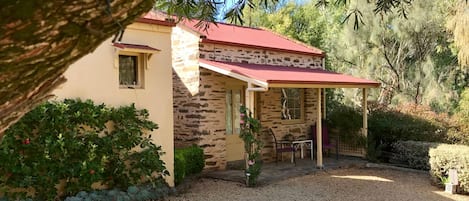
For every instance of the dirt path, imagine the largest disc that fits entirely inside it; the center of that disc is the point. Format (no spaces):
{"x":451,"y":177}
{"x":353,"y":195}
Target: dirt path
{"x":344,"y":184}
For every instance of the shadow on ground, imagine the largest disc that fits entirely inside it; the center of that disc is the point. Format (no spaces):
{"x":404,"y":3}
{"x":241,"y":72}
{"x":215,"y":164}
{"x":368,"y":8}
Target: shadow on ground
{"x":273,"y":172}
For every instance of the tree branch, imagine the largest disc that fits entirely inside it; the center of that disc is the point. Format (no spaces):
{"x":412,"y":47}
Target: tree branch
{"x":40,"y":40}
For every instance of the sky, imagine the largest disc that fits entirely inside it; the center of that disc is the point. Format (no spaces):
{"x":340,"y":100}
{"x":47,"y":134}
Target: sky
{"x":229,"y":3}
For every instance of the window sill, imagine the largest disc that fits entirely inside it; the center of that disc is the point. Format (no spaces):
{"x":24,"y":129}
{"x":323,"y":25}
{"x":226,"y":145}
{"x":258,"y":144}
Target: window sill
{"x":130,"y":87}
{"x":296,"y":121}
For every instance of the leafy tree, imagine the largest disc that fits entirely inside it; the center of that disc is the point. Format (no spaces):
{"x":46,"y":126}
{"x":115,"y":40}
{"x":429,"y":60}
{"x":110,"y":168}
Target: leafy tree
{"x":457,"y":24}
{"x":411,"y":57}
{"x":463,"y":107}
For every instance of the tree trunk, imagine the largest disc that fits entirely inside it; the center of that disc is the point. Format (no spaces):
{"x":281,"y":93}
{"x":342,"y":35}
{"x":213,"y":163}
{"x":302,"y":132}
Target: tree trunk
{"x":40,"y":39}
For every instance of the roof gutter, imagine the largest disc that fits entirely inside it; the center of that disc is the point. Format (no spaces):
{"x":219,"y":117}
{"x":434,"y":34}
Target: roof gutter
{"x":256,"y":89}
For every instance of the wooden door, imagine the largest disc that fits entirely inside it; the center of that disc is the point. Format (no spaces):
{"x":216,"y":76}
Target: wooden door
{"x":234,"y":144}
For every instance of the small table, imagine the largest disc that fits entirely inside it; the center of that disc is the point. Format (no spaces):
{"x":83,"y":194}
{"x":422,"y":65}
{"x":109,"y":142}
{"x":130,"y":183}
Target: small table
{"x":298,"y":143}
{"x":301,"y":144}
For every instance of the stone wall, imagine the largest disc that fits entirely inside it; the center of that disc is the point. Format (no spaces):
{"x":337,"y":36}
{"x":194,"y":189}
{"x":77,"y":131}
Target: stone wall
{"x":186,"y":83}
{"x":199,"y":95}
{"x":212,"y":98}
{"x":269,"y":108}
{"x":227,"y":53}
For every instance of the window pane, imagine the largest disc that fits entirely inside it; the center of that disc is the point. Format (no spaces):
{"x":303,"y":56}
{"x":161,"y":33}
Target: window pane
{"x":291,"y":103}
{"x":296,"y":113}
{"x":229,"y":113}
{"x":236,"y":107}
{"x":128,"y":70}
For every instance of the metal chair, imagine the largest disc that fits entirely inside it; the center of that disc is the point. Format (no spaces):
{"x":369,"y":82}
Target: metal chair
{"x":327,"y":143}
{"x":281,"y":148}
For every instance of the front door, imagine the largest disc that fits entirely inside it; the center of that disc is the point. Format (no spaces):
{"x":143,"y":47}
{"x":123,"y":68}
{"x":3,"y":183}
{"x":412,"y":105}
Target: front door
{"x":234,"y":144}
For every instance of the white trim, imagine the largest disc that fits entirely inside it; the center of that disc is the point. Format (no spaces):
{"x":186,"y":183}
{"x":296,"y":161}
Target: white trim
{"x":234,"y":75}
{"x":325,"y":85}
{"x":261,"y":89}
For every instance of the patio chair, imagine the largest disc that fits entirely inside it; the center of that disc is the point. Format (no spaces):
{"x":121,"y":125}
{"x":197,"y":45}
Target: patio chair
{"x":328,"y":142}
{"x":282,"y":147}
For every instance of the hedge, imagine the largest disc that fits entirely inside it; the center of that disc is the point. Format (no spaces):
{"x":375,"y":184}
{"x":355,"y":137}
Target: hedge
{"x":187,"y":161}
{"x":445,"y":157}
{"x":413,"y":154}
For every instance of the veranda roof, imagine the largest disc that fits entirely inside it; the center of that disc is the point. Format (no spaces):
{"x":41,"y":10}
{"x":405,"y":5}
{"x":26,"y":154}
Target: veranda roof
{"x":285,"y":76}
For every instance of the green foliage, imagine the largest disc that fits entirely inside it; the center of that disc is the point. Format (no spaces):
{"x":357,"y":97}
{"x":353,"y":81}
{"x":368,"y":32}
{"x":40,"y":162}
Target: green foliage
{"x":188,"y":161}
{"x":250,"y":128}
{"x":387,"y":126}
{"x":459,"y":130}
{"x":411,"y":57}
{"x":78,"y":143}
{"x":179,"y":167}
{"x":133,"y":193}
{"x":446,"y":157}
{"x":413,"y":154}
{"x":463,"y":106}
{"x":349,"y":131}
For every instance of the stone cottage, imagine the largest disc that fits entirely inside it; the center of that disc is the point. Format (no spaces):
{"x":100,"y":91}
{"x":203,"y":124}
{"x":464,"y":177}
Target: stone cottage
{"x":217,"y":70}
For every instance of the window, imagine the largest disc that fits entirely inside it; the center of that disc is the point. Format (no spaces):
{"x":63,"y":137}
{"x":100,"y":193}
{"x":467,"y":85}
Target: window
{"x":131,"y":70}
{"x":292,"y":104}
{"x":232,"y":114}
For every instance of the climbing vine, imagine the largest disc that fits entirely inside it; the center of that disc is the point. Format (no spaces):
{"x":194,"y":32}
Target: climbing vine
{"x":250,"y":128}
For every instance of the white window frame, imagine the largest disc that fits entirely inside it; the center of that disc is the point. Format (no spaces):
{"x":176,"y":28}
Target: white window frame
{"x":302,"y":108}
{"x":235,"y":114}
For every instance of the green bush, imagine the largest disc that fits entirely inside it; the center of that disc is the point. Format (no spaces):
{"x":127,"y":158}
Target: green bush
{"x":188,"y":161}
{"x":179,"y":166}
{"x":459,"y":133}
{"x":413,"y":154}
{"x":133,"y":193}
{"x":78,"y":143}
{"x":348,"y":130}
{"x":445,"y":157}
{"x":386,"y":126}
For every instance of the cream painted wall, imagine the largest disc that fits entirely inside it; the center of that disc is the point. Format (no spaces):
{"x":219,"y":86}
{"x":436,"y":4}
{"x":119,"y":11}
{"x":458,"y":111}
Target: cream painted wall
{"x":96,"y":77}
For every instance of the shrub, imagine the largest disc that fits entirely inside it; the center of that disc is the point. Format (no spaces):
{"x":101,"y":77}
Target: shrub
{"x":413,"y":154}
{"x":445,"y":157}
{"x":459,"y":133}
{"x":78,"y":143}
{"x":188,"y":161}
{"x":348,"y":130}
{"x":179,"y":166}
{"x":133,"y":193}
{"x":387,"y":126}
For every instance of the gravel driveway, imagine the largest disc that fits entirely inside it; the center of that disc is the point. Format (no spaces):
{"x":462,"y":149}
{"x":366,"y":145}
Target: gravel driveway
{"x":359,"y":184}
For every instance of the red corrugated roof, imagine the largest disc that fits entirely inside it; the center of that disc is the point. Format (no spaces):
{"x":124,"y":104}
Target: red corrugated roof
{"x":289,"y":75}
{"x":229,"y":34}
